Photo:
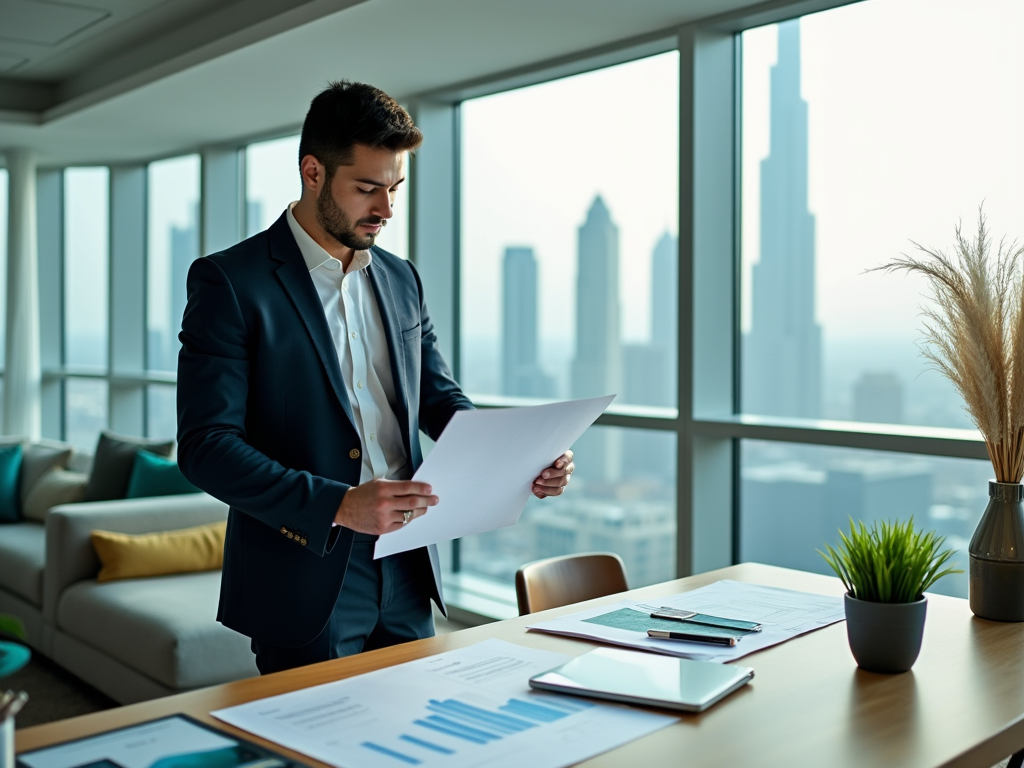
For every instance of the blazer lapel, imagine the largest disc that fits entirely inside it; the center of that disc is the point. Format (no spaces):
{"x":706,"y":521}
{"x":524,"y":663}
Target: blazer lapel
{"x":297,"y":283}
{"x":396,"y":351}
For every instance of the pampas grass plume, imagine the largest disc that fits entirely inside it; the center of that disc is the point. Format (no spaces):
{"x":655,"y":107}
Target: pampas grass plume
{"x":974,"y":335}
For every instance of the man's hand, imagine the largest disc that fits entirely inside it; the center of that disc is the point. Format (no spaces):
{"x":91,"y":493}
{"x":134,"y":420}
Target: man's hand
{"x":377,"y":506}
{"x":552,"y":481}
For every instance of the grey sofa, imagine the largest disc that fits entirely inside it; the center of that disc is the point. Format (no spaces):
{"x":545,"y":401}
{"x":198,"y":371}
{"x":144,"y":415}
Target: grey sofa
{"x":133,"y":639}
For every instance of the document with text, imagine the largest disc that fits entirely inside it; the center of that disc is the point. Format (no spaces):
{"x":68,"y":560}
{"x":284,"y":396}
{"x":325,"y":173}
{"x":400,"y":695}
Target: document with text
{"x":483,"y":467}
{"x":783,"y":614}
{"x":468,"y":707}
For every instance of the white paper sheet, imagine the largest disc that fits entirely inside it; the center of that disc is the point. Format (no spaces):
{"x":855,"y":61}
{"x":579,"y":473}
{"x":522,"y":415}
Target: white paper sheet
{"x":482,"y":469}
{"x":783,"y":613}
{"x":468,"y":707}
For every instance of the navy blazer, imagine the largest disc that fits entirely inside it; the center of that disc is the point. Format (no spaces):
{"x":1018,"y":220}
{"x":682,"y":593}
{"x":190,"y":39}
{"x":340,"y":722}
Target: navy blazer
{"x":265,"y":424}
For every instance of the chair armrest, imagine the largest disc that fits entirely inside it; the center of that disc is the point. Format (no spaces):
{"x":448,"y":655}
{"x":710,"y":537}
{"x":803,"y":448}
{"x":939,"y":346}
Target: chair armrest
{"x":70,"y":556}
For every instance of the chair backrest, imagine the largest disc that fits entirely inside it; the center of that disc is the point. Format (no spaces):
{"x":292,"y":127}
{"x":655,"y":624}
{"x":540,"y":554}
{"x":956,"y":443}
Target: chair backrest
{"x":559,"y":581}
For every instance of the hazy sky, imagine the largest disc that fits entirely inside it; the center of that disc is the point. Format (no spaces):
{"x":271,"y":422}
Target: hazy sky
{"x":916,"y":108}
{"x":173,"y":199}
{"x":533,"y":160}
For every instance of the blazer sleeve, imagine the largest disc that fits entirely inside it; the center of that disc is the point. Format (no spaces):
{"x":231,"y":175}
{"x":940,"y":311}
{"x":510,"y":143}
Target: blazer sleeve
{"x":213,"y":385}
{"x":440,"y":395}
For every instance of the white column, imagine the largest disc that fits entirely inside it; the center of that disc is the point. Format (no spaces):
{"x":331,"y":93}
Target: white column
{"x":22,"y":376}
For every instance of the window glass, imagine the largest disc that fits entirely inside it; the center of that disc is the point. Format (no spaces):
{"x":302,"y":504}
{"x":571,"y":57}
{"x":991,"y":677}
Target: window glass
{"x":272,"y":182}
{"x":569,"y":227}
{"x":621,"y":499}
{"x":161,"y":411}
{"x":85,"y":412}
{"x":846,"y":159}
{"x":3,"y":265}
{"x":86,"y":265}
{"x":173,"y":232}
{"x":794,"y":498}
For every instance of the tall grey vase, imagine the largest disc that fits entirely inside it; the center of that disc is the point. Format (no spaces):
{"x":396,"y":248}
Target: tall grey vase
{"x":997,"y":555}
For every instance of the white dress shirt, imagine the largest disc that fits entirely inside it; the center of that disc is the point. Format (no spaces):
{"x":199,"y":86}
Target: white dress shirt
{"x":354,"y":321}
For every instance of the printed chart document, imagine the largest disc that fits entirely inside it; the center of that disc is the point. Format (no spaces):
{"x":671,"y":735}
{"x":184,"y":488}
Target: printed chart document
{"x":482,"y":468}
{"x":783,"y":613}
{"x":469,"y":707}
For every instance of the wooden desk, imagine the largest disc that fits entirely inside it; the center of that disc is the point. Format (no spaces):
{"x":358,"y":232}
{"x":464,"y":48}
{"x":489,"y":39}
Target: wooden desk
{"x":809,"y":704}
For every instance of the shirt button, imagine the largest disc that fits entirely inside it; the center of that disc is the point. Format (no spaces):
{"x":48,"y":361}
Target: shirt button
{"x":359,"y":385}
{"x":354,"y":453}
{"x":373,"y":437}
{"x":354,"y":334}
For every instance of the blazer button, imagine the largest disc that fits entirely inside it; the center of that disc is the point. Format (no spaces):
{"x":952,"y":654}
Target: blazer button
{"x":290,"y":535}
{"x":354,"y":453}
{"x":284,"y":530}
{"x":302,"y":542}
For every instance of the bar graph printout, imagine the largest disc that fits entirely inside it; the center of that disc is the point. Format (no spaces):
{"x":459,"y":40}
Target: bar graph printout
{"x":468,"y":707}
{"x":783,"y":613}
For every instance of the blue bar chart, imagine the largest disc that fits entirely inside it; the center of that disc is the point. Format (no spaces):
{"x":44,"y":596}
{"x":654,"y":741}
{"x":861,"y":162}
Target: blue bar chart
{"x":451,"y":724}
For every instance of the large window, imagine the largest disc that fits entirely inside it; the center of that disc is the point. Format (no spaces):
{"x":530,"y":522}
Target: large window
{"x":3,"y":277}
{"x":173,"y":244}
{"x":86,"y":318}
{"x":847,"y":159}
{"x":568,"y":289}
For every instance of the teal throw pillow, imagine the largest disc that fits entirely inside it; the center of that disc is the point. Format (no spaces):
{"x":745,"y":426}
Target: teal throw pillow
{"x":10,"y":471}
{"x":154,"y":475}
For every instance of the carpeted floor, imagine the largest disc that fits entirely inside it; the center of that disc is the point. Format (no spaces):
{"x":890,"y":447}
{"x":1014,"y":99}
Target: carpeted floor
{"x":53,"y":693}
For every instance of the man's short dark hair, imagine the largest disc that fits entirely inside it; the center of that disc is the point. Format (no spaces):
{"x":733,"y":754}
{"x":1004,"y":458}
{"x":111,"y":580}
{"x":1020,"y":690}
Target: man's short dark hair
{"x":346,"y":114}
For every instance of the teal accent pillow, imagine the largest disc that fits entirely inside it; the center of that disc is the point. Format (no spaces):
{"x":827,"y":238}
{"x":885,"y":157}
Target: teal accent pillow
{"x":154,"y":475}
{"x":10,"y":472}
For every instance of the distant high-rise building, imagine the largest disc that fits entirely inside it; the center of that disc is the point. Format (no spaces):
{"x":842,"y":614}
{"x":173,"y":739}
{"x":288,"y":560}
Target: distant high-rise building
{"x":878,"y":397}
{"x":253,"y":217}
{"x":184,"y":250}
{"x":520,"y":372}
{"x":664,"y":296}
{"x":782,"y":354}
{"x":597,"y":367}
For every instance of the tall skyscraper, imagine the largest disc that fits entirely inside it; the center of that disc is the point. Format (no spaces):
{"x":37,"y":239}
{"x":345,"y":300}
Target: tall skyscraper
{"x":782,"y":355}
{"x":878,"y":397}
{"x":664,"y":295}
{"x":184,"y":250}
{"x":521,"y":374}
{"x":597,"y":367}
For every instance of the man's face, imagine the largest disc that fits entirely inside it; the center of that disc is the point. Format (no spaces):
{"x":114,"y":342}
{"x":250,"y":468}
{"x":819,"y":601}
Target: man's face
{"x":353,"y":207}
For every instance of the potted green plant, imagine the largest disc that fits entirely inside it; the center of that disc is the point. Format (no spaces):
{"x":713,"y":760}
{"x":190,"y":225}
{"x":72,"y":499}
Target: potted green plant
{"x":886,"y":569}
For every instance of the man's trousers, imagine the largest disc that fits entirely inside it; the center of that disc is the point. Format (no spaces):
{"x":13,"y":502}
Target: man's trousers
{"x":381,"y":603}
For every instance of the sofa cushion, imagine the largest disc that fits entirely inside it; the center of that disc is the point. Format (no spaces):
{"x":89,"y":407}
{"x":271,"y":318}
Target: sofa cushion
{"x":40,"y":458}
{"x":154,"y":475}
{"x":10,"y":472}
{"x":131,"y":556}
{"x":58,"y":486}
{"x":164,"y":627}
{"x":113,"y":462}
{"x":22,"y":555}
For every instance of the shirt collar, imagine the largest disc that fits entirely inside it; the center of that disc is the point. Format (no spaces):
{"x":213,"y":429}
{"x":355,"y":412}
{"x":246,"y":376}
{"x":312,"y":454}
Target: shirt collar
{"x":315,"y":256}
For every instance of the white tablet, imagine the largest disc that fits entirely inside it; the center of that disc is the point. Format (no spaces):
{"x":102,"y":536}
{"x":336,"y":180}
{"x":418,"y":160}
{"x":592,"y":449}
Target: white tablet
{"x":635,"y":677}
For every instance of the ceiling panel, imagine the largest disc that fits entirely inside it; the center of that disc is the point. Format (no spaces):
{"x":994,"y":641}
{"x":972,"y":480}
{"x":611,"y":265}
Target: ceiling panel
{"x":40,"y":22}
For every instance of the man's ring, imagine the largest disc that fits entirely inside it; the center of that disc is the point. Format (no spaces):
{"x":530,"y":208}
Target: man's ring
{"x":406,"y":516}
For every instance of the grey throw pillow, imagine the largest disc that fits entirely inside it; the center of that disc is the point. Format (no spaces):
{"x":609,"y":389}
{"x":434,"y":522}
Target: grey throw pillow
{"x":38,"y":459}
{"x":58,"y":486}
{"x":113,"y":462}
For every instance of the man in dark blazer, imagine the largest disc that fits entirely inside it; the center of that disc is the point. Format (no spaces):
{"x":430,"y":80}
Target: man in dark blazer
{"x":308,"y":367}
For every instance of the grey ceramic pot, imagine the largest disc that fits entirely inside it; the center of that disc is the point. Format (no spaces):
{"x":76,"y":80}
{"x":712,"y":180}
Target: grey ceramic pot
{"x":997,"y":556}
{"x":885,"y":637}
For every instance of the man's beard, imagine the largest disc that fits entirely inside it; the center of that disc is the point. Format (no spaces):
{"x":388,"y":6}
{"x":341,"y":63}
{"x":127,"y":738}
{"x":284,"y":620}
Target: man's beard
{"x":336,"y":224}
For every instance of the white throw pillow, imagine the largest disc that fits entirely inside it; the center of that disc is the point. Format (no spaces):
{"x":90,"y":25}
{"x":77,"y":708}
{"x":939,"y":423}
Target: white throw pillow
{"x":58,"y":486}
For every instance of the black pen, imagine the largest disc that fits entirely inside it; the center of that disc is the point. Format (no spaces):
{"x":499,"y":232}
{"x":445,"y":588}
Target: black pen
{"x":664,"y":635}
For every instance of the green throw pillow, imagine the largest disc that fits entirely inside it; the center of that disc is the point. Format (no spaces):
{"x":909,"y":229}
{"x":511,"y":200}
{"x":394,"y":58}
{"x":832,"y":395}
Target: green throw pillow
{"x":10,"y":471}
{"x":154,"y":475}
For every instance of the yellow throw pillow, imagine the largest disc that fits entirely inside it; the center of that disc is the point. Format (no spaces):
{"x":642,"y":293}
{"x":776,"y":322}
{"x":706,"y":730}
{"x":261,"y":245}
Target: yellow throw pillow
{"x":128,"y":556}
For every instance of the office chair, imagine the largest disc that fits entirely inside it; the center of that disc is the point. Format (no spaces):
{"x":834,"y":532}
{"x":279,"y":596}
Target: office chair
{"x":558,"y":581}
